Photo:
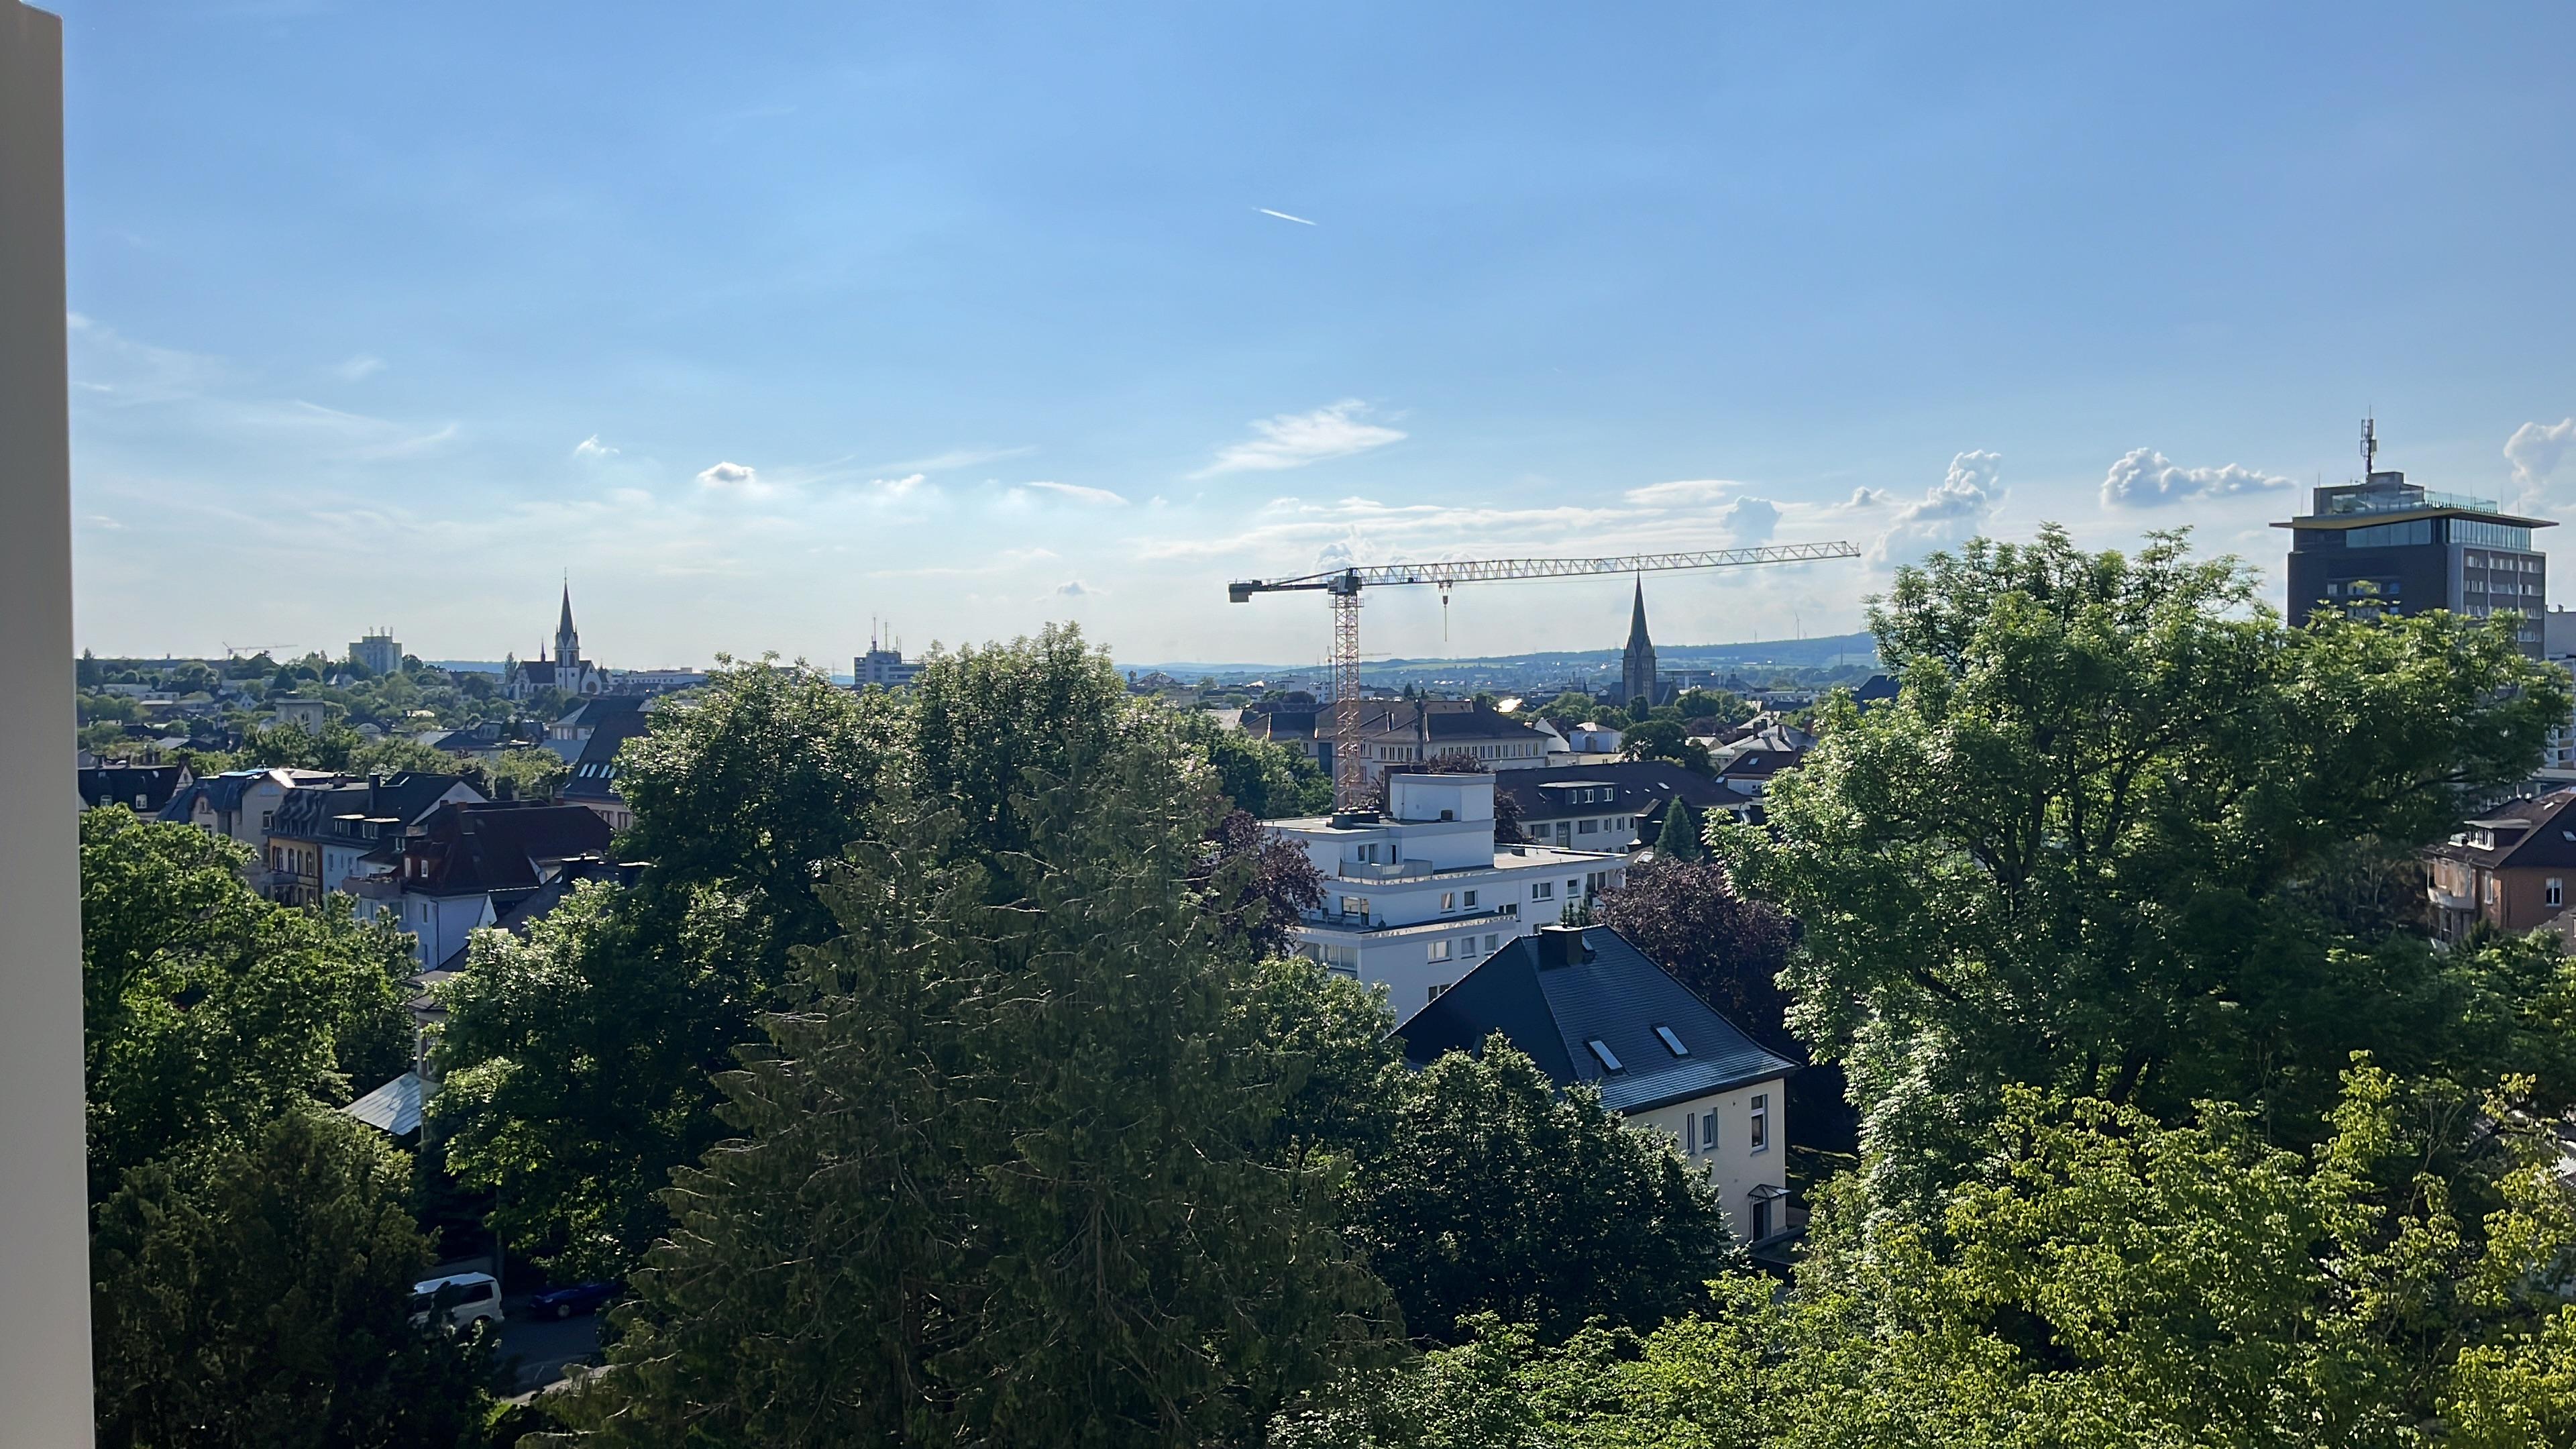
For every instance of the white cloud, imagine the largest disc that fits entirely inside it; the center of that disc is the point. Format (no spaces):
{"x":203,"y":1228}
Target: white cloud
{"x":2143,"y":478}
{"x":1683,"y":492}
{"x":891,"y":489}
{"x":1751,"y":521}
{"x":360,"y":368}
{"x":739,"y":476}
{"x":592,"y":447}
{"x":1950,"y":513}
{"x":952,"y":459}
{"x":1077,"y":589}
{"x":101,"y":520}
{"x":2537,"y":450}
{"x":1095,"y":497}
{"x":1293,"y":440}
{"x":1867,"y":497}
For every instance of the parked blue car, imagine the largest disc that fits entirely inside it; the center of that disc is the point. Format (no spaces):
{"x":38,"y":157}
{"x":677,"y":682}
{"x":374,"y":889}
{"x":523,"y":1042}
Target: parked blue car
{"x":579,"y":1298}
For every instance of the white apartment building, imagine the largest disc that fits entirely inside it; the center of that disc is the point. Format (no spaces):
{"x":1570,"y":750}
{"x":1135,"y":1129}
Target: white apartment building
{"x":1416,"y":896}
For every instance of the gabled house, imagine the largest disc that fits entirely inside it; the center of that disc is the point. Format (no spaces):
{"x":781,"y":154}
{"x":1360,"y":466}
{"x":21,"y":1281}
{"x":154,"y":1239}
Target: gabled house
{"x":1615,"y":807}
{"x":468,"y":864}
{"x":1591,"y":1010}
{"x":1395,"y":732}
{"x":2510,"y":868}
{"x":568,"y":735}
{"x":144,"y":789}
{"x":324,"y":831}
{"x":593,"y":782}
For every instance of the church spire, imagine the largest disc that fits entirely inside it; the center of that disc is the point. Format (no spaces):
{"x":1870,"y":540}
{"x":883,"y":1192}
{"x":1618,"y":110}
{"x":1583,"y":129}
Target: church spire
{"x":1636,"y":621}
{"x":567,"y":638}
{"x":565,"y":627}
{"x":1637,"y":661}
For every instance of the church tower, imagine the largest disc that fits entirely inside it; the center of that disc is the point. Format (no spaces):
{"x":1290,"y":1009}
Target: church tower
{"x":1637,"y":661}
{"x":568,"y":639}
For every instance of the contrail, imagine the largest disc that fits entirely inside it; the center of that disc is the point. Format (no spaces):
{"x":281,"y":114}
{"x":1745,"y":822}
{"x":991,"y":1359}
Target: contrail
{"x":1283,"y":216}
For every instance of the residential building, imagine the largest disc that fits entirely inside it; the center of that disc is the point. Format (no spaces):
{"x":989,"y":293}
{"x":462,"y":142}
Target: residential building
{"x":1416,"y":894}
{"x":2510,"y":868}
{"x":882,"y":668}
{"x":593,"y":783}
{"x":378,"y":652}
{"x":241,"y":806}
{"x":1637,"y":660}
{"x":1590,"y":1009}
{"x":1398,"y":732}
{"x":2558,"y":646}
{"x":467,"y":864}
{"x":1611,"y":807}
{"x":568,"y":735}
{"x":566,"y":671}
{"x":654,"y":681}
{"x":2387,"y":544}
{"x":144,"y":789}
{"x":308,"y":715}
{"x":323,"y":830}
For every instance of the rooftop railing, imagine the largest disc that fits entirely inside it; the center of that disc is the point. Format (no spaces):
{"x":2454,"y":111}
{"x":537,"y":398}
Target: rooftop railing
{"x":2404,"y":500}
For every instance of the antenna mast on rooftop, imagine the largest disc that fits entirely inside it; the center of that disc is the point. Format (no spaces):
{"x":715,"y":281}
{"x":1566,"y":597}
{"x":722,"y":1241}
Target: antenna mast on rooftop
{"x":2369,"y":447}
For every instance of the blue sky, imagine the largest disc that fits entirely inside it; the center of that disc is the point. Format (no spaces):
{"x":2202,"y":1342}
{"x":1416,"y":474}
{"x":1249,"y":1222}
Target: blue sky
{"x":761,"y":321}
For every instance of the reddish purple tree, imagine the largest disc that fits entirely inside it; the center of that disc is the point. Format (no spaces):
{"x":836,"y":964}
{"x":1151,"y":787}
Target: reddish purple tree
{"x":1686,"y":916}
{"x":1283,"y":883}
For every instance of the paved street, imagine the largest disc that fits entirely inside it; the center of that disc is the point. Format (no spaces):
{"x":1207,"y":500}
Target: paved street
{"x":543,"y":1346}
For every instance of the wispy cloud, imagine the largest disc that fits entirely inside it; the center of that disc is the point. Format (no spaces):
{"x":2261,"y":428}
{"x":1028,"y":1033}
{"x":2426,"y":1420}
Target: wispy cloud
{"x":1008,"y":560}
{"x":359,"y":368}
{"x":1092,"y":497}
{"x":896,"y":488}
{"x":953,"y":459}
{"x":1683,"y":492}
{"x":1283,"y":216}
{"x":1294,"y":440}
{"x":1077,"y":589}
{"x":592,"y":447}
{"x":2144,"y":478}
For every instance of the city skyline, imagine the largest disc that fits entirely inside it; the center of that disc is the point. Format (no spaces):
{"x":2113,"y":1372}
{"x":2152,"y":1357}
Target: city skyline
{"x":976,"y":322}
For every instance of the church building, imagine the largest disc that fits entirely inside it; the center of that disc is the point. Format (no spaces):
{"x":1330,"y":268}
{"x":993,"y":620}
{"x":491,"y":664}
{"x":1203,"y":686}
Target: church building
{"x":566,"y":671}
{"x":1637,"y":661}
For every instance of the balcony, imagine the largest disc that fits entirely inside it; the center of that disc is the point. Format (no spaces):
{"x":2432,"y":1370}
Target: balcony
{"x":1383,"y":869}
{"x":2406,"y":499}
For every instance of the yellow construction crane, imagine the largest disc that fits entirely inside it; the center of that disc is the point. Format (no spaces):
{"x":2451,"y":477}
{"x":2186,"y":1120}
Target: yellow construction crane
{"x":1342,"y":587}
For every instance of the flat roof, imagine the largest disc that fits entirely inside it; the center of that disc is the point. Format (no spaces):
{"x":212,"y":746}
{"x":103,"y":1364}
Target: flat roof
{"x":2408,"y":515}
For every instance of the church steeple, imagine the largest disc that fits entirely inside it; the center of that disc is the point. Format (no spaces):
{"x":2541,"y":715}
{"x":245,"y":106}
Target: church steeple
{"x":567,"y":638}
{"x":1637,"y":661}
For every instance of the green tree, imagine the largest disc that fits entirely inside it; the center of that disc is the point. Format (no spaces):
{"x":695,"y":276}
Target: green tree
{"x":2102,"y":1280}
{"x":1009,"y":1176}
{"x":259,"y":1293}
{"x":211,"y":1010}
{"x":1680,"y":837}
{"x":1268,"y":781}
{"x":2070,"y":853}
{"x":294,"y":747}
{"x":1493,"y":1192}
{"x":1659,"y":739}
{"x":1722,"y":706}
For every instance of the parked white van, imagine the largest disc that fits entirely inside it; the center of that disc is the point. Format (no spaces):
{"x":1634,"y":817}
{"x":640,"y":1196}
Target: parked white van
{"x":459,"y":1298}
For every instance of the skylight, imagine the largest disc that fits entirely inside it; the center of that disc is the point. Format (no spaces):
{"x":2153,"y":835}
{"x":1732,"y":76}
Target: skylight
{"x":1672,"y":1041}
{"x":1609,"y":1058}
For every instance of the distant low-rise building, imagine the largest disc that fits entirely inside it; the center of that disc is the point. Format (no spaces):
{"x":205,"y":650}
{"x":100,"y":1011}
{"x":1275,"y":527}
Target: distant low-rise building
{"x":378,"y":651}
{"x":308,"y":715}
{"x":593,"y":783}
{"x":882,"y":669}
{"x":1399,"y":732}
{"x":1415,"y":895}
{"x":1611,"y":807}
{"x":323,"y":831}
{"x":1590,"y":1009}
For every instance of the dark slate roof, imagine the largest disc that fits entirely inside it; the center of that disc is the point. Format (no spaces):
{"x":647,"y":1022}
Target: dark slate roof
{"x":1617,"y":997}
{"x":119,"y":784}
{"x":594,"y":773}
{"x":1642,"y":785}
{"x":1760,"y":764}
{"x":1877,"y":689}
{"x":537,"y":904}
{"x":222,"y":793}
{"x":499,"y":846}
{"x":2528,"y":833}
{"x":600,"y":711}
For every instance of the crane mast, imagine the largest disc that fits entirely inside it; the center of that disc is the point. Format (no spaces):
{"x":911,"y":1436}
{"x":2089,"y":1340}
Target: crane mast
{"x":1341,"y":589}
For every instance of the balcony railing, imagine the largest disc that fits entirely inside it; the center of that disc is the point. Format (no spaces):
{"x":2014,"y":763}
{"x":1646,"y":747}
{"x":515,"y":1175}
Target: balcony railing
{"x":2405,"y":500}
{"x":1384,"y":869}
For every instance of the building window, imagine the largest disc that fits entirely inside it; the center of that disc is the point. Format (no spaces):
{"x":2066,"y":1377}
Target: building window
{"x":2555,"y":891}
{"x":1708,"y":1132}
{"x":1758,"y":1133}
{"x":1690,"y":1132}
{"x":1448,"y":900}
{"x":1436,"y":988}
{"x":1587,"y":827}
{"x":1355,"y":905}
{"x":1544,"y":890}
{"x":1471,"y":900}
{"x":1439,"y":950}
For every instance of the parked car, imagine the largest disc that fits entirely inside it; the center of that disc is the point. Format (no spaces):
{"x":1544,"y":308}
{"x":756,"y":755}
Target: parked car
{"x":579,"y":1298}
{"x":457,"y":1300}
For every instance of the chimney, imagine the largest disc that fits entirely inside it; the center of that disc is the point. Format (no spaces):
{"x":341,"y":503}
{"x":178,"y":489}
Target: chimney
{"x":1562,"y":946}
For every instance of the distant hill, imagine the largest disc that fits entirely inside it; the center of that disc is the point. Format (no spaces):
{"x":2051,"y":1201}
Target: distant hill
{"x":1819,"y":653}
